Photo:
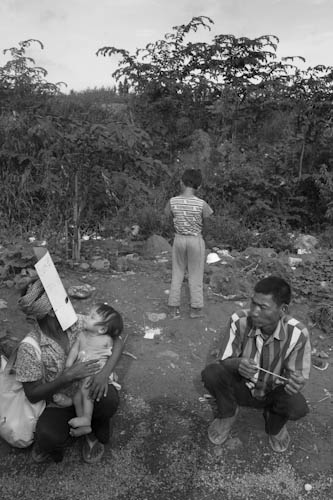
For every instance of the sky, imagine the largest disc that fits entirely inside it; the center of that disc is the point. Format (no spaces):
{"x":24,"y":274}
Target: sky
{"x":73,"y":30}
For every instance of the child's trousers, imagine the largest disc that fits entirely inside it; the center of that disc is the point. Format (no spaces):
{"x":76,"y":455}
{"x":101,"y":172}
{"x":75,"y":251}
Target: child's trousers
{"x":187,"y":252}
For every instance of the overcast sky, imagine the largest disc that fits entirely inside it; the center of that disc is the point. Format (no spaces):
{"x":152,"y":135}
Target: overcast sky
{"x":72,"y":30}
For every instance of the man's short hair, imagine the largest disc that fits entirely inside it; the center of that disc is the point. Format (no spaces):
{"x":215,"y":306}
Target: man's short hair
{"x":275,"y":286}
{"x":192,"y":178}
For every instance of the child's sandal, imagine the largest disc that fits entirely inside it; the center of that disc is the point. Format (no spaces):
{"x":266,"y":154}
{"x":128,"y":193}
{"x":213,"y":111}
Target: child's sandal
{"x":174,"y":312}
{"x":92,"y":452}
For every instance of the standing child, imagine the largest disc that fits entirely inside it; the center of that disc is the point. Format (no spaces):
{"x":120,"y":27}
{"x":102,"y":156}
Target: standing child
{"x":188,"y":251}
{"x":101,"y":327}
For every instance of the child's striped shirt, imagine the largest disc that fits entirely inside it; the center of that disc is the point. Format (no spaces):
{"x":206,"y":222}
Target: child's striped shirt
{"x":188,"y":213}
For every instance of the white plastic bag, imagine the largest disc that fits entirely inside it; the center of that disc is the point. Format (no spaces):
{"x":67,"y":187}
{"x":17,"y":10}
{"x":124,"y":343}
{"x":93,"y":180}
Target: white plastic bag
{"x":18,"y":417}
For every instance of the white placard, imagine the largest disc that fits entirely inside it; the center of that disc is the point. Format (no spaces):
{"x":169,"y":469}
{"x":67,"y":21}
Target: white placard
{"x":56,"y":292}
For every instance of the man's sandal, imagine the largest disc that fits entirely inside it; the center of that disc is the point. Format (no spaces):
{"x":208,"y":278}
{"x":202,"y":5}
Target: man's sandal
{"x":92,"y":451}
{"x":280,"y":441}
{"x":219,"y":429}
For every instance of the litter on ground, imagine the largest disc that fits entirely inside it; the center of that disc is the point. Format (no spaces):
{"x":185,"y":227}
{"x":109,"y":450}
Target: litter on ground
{"x":151,"y":333}
{"x":156,"y":316}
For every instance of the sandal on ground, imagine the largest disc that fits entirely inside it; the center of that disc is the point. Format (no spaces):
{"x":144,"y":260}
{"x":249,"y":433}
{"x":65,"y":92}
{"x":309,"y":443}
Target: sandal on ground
{"x":219,"y":429}
{"x":39,"y":456}
{"x":280,"y":441}
{"x":92,"y":451}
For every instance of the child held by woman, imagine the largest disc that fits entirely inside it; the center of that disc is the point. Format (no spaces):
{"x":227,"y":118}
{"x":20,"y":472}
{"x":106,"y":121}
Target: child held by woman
{"x":101,"y":326}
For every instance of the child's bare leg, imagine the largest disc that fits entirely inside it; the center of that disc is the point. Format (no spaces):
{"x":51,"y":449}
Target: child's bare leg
{"x":85,"y":419}
{"x":84,"y":406}
{"x":78,"y":402}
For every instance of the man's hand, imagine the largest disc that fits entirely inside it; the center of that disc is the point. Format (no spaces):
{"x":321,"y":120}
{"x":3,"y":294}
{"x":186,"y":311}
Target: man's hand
{"x":295,"y":384}
{"x":247,"y":368}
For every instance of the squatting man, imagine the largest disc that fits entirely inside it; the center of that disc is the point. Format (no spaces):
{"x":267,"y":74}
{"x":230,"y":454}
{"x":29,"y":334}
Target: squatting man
{"x":264,"y":363}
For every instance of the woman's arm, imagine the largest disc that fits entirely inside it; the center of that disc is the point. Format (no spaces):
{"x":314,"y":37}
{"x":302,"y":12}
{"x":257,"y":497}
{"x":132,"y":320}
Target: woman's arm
{"x":73,"y":353}
{"x":40,"y":390}
{"x":99,"y":383}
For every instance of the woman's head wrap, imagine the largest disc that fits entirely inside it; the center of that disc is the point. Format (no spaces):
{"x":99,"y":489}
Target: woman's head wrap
{"x":35,"y":302}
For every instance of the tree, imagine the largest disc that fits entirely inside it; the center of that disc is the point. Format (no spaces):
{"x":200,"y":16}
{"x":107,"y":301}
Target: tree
{"x":20,"y":78}
{"x":176,"y":78}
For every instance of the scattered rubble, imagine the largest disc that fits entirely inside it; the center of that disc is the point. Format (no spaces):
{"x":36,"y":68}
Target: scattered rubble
{"x":155,"y":317}
{"x":3,"y":304}
{"x":306,"y":242}
{"x":230,"y":277}
{"x":322,"y":315}
{"x":100,"y":264}
{"x":155,"y":245}
{"x":81,"y":291}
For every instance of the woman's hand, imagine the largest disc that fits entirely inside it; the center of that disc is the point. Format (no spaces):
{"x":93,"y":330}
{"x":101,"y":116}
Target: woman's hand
{"x":99,"y":385}
{"x":80,"y":370}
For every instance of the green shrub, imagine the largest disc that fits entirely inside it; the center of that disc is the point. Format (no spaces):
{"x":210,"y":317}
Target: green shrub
{"x":274,"y":236}
{"x":326,"y":238}
{"x":152,"y":221}
{"x":227,"y":231}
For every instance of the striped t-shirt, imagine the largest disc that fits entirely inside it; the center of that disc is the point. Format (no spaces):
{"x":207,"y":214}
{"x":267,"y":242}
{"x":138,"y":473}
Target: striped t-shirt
{"x":188,"y":213}
{"x":287,"y":350}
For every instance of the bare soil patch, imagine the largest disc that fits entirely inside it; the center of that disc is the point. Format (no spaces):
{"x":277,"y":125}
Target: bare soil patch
{"x":159,"y":447}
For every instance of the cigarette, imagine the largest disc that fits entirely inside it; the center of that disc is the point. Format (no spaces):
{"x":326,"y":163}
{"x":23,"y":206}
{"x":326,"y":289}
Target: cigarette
{"x":274,"y":374}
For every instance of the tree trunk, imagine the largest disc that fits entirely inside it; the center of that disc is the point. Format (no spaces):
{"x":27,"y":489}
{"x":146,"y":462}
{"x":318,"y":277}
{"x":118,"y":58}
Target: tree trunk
{"x":76,"y":221}
{"x":300,"y":166}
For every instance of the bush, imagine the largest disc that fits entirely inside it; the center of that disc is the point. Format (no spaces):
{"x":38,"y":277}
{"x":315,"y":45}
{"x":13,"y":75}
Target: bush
{"x":151,"y":221}
{"x":227,"y":231}
{"x":275,"y":236}
{"x":326,"y":238}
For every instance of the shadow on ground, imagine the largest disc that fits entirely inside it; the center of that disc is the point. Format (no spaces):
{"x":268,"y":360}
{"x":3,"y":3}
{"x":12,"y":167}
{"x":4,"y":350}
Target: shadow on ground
{"x":159,"y":450}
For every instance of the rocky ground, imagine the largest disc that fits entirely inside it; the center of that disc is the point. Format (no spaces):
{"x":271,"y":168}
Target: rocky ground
{"x":159,"y":448}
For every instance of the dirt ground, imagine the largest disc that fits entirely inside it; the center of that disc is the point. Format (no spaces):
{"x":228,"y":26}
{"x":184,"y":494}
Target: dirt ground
{"x":159,"y":447}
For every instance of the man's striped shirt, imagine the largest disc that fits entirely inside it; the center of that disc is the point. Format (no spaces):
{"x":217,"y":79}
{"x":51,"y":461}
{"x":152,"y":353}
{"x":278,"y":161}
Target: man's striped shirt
{"x":287,"y":350}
